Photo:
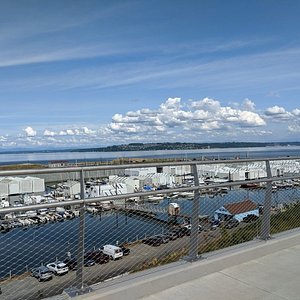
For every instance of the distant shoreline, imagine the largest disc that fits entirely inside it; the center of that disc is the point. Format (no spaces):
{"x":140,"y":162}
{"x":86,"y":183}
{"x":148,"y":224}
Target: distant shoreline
{"x":158,"y":146}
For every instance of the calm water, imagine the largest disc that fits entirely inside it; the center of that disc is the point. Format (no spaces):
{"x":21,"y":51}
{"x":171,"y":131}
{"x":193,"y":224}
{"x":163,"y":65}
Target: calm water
{"x":42,"y":244}
{"x":21,"y":249}
{"x":256,"y":152}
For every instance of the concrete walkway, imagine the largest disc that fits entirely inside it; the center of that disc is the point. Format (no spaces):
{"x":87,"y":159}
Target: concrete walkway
{"x":268,"y":270}
{"x":272,"y":277}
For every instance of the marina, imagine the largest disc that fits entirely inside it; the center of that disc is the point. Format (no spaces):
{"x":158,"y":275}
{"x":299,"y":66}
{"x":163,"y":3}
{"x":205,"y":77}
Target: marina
{"x":29,"y":242}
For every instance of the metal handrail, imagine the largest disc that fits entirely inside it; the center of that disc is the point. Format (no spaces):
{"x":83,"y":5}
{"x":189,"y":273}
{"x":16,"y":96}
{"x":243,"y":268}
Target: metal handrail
{"x":143,"y":194}
{"x":197,"y":189}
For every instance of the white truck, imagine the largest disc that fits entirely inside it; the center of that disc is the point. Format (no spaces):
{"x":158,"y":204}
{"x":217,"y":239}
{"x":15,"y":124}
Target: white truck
{"x":114,"y":252}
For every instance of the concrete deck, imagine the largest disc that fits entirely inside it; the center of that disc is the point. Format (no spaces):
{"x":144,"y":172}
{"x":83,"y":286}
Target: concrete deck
{"x":268,"y":270}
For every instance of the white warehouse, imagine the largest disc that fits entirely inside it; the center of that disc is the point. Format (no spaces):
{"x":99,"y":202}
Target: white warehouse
{"x":18,"y":185}
{"x":140,"y":171}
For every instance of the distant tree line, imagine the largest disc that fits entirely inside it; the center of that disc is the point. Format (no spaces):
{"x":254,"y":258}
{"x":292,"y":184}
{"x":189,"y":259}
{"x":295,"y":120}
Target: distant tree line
{"x":182,"y":146}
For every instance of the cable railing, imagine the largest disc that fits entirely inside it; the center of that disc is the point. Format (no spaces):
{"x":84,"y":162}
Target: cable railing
{"x":69,"y":245}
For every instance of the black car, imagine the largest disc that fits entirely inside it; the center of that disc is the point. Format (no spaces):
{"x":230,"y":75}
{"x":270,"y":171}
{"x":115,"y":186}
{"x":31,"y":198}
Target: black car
{"x":98,"y":256}
{"x":172,"y":235}
{"x":250,"y":218}
{"x":71,"y":263}
{"x":88,"y":262}
{"x":231,"y":224}
{"x":180,"y":231}
{"x":153,"y":241}
{"x":126,"y":251}
{"x":164,"y":238}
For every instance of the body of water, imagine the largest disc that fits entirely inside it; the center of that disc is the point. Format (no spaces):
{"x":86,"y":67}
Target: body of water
{"x":41,"y":244}
{"x":254,"y":152}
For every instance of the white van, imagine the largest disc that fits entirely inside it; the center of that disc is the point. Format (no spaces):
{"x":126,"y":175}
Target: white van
{"x":114,"y":252}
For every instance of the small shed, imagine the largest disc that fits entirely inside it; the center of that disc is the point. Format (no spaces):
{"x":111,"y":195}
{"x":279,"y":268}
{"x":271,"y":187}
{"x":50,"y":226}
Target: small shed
{"x":174,"y":209}
{"x":238,"y":210}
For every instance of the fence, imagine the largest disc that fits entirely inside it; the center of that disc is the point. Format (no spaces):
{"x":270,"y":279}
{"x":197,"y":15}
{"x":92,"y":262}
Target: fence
{"x":150,"y":233}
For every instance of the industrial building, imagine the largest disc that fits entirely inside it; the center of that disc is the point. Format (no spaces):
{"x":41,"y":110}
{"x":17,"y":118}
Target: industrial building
{"x":237,"y":211}
{"x":13,"y":189}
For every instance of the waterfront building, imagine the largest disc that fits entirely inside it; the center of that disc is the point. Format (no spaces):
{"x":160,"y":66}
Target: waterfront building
{"x":237,"y":211}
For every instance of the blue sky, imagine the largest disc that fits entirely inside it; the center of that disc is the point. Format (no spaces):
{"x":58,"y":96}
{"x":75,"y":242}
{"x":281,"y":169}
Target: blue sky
{"x":96,"y":73}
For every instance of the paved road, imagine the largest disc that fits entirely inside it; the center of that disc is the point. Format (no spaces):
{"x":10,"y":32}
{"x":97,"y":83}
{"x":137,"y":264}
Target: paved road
{"x":29,"y":288}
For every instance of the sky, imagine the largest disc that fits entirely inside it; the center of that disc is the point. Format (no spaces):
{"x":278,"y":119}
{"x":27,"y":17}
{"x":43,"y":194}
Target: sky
{"x":96,"y":73}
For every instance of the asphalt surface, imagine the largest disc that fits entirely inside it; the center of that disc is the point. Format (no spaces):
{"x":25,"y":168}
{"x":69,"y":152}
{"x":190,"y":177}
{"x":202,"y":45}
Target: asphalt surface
{"x":28,"y":288}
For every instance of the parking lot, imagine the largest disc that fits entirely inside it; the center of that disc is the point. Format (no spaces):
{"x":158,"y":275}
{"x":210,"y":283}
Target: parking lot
{"x":140,"y":256}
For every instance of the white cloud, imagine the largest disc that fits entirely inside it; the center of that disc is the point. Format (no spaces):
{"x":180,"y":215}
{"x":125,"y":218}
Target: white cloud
{"x":70,"y":132}
{"x":206,"y":115}
{"x":88,"y":131}
{"x":173,"y":120}
{"x":49,"y":133}
{"x":248,"y":105}
{"x":275,"y":110}
{"x":295,"y":128}
{"x":30,"y":132}
{"x":171,"y":104}
{"x":296,"y":112}
{"x":206,"y":104}
{"x":251,"y":118}
{"x":210,"y":125}
{"x":278,"y":113}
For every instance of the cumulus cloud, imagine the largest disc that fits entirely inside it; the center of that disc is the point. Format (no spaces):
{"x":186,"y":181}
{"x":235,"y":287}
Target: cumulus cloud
{"x":295,"y":128}
{"x":49,"y":133}
{"x":30,"y":132}
{"x":296,"y":112}
{"x":173,"y":120}
{"x":278,"y":113}
{"x":206,"y":115}
{"x":70,"y":132}
{"x":248,"y":105}
{"x":88,"y":131}
{"x":207,"y":104}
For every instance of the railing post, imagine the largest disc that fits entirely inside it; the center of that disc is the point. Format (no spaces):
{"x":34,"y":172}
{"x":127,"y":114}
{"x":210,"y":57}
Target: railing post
{"x":193,"y":247}
{"x":80,"y":248}
{"x":266,"y":217}
{"x":80,"y":288}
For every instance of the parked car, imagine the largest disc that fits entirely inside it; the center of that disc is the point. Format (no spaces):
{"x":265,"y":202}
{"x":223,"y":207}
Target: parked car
{"x":98,"y":256}
{"x":231,"y":224}
{"x":87,"y":262}
{"x":188,"y":228}
{"x":153,"y":241}
{"x":250,"y":218}
{"x":164,"y":238}
{"x":125,"y":250}
{"x":114,"y":252}
{"x":71,"y":263}
{"x":179,"y":231}
{"x":214,"y":224}
{"x":41,"y":273}
{"x":172,"y":235}
{"x":58,"y":268}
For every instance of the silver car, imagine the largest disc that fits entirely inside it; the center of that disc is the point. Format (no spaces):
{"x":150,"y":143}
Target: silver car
{"x":41,"y":273}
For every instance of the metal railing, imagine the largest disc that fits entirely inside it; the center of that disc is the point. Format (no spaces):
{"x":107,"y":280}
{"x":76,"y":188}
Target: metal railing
{"x":185,"y":235}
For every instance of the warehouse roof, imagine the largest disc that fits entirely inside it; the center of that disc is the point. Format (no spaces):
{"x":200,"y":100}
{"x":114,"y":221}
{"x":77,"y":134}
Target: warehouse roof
{"x":240,"y":207}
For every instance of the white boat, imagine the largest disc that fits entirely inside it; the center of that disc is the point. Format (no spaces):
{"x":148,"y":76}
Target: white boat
{"x":155,"y":198}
